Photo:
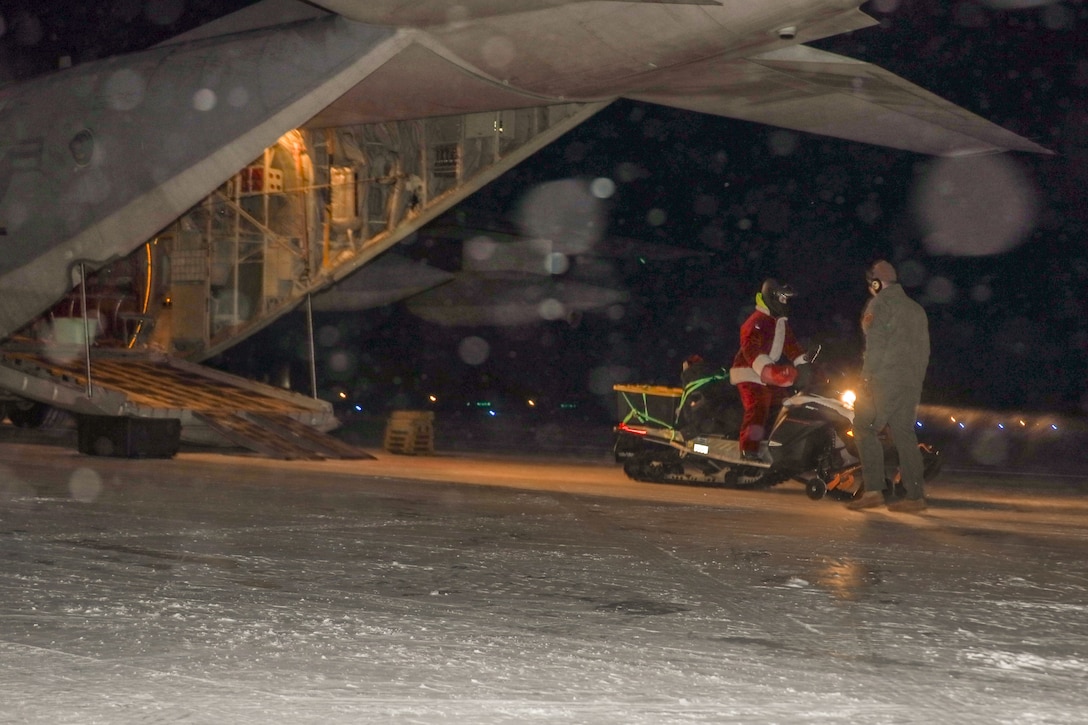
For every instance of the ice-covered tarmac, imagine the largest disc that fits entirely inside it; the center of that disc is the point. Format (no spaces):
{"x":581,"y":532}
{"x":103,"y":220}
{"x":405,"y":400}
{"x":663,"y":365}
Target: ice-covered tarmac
{"x":229,"y":589}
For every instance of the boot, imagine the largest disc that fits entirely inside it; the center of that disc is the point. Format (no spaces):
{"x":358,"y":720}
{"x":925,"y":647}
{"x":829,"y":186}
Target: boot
{"x":867,"y":500}
{"x":908,"y":505}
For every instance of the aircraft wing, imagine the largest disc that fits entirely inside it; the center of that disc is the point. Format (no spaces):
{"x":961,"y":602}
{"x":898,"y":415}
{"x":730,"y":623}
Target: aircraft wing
{"x":510,"y":299}
{"x":580,"y":51}
{"x":806,"y":89}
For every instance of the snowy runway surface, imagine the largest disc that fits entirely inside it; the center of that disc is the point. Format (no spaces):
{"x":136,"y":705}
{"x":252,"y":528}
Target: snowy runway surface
{"x":222,"y":589}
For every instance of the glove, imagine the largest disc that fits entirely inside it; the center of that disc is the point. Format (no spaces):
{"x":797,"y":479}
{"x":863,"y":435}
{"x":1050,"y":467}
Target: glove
{"x":781,"y":376}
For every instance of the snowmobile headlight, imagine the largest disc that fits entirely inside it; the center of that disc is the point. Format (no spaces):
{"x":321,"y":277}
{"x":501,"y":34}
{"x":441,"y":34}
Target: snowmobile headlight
{"x":848,"y":397}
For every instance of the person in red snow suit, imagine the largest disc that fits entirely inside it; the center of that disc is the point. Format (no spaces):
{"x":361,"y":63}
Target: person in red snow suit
{"x":766,"y":365}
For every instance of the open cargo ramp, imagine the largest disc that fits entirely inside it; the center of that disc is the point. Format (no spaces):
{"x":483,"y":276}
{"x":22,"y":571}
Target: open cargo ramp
{"x":277,"y":436}
{"x":213,"y":407}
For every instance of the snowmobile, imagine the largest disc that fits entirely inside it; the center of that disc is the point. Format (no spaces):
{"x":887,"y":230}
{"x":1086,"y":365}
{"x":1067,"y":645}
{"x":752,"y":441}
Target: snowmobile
{"x":811,"y":441}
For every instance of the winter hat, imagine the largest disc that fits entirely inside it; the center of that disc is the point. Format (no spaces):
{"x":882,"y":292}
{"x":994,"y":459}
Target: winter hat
{"x":883,"y":271}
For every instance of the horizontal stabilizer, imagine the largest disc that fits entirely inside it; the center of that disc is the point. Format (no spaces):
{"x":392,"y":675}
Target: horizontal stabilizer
{"x":389,"y":278}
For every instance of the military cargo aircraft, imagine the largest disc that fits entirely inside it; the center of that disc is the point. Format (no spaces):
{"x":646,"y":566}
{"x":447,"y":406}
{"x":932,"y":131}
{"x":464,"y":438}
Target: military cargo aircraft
{"x":177,"y":199}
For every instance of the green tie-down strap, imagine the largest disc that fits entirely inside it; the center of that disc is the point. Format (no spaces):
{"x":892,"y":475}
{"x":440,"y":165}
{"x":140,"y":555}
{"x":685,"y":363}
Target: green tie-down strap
{"x":643,"y":412}
{"x":718,"y":377}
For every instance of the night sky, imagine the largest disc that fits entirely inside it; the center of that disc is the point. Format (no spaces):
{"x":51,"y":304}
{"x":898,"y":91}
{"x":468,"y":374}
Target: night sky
{"x":996,"y":248}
